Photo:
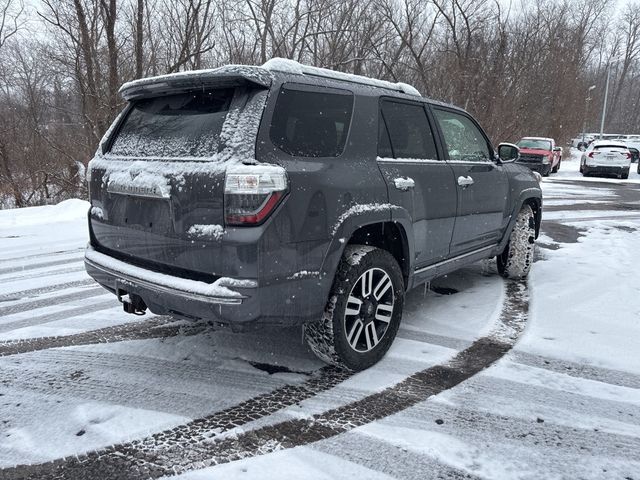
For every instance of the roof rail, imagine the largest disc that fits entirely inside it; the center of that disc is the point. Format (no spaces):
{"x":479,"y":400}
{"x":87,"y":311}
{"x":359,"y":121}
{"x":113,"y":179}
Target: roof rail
{"x":291,"y":66}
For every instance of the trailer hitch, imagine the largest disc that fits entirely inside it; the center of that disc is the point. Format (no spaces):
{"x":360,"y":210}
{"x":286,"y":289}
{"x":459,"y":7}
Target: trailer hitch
{"x":131,"y":303}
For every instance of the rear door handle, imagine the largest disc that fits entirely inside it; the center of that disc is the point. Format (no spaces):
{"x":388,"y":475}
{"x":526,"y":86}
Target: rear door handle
{"x":465,"y":181}
{"x":404,"y":183}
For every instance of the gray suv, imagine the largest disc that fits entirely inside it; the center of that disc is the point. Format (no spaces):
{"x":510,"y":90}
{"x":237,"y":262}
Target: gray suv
{"x":291,"y":195}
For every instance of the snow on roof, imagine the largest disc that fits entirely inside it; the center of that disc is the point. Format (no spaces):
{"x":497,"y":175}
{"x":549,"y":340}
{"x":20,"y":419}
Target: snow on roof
{"x":260,"y":75}
{"x":537,"y":138}
{"x":613,"y":143}
{"x":252,"y":73}
{"x":291,"y":66}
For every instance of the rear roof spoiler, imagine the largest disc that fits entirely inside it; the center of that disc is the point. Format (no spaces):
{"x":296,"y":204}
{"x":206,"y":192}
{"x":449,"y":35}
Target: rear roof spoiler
{"x":227,"y":76}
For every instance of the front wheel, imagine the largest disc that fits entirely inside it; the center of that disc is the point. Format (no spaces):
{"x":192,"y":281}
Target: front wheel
{"x":517,"y":257}
{"x":363,"y":312}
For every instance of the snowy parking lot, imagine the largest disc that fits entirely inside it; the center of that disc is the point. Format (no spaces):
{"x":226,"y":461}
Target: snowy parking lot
{"x":487,"y":379}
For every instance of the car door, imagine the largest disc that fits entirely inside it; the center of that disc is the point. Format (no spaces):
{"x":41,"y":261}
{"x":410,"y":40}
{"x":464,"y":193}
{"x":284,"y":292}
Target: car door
{"x":482,"y":183}
{"x":417,"y":177}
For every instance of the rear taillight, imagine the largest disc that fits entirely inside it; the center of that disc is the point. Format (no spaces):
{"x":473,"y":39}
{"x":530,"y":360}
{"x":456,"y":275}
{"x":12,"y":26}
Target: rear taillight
{"x":628,"y":155}
{"x":252,"y":192}
{"x":591,"y":154}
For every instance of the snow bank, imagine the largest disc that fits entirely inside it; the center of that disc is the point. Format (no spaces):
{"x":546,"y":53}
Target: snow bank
{"x":66,"y":211}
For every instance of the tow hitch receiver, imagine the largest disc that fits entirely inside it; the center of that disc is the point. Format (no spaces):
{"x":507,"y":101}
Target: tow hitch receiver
{"x":132,"y":303}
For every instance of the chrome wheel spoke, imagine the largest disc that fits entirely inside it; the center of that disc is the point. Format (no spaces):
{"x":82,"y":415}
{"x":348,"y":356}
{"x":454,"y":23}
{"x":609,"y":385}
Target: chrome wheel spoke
{"x":354,"y":304}
{"x":367,"y":283}
{"x":371,"y":336}
{"x":354,"y":334}
{"x":382,"y":286}
{"x":384,"y":312}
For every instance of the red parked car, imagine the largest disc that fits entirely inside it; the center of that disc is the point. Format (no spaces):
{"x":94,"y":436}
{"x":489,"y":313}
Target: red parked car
{"x":540,"y":154}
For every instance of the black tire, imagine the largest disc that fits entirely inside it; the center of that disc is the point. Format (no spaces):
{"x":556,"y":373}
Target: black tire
{"x":624,"y":175}
{"x":338,"y":338}
{"x":638,"y":166}
{"x":517,"y":257}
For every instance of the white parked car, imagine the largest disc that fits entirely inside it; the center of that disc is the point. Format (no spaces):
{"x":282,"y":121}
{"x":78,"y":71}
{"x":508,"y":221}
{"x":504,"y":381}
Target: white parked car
{"x":607,"y":157}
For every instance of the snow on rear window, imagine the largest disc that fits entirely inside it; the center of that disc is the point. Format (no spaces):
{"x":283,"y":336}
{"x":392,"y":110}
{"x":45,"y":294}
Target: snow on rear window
{"x":173,"y":126}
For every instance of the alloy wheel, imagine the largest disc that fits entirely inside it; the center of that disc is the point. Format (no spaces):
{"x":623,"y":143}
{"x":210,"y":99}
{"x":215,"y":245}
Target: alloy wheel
{"x":369,"y":310}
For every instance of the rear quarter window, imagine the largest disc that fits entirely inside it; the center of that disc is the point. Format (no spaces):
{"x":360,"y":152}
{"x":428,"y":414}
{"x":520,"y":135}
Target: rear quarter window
{"x":408,"y":129}
{"x":184,"y":125}
{"x":310,"y":123}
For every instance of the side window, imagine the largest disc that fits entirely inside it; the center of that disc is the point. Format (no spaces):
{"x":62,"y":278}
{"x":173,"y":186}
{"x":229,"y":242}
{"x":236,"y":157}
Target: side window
{"x":463,"y":139}
{"x":409,"y":130}
{"x":311,"y":124}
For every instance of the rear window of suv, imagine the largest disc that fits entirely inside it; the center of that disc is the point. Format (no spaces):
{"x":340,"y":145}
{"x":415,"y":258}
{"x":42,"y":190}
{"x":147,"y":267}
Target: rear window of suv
{"x":184,"y":125}
{"x":310,"y":123}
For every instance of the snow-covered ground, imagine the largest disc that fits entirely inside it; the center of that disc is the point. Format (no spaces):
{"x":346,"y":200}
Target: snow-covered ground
{"x":564,"y":403}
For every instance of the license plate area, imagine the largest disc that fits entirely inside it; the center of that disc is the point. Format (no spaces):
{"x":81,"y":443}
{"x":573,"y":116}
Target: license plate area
{"x":148,"y":214}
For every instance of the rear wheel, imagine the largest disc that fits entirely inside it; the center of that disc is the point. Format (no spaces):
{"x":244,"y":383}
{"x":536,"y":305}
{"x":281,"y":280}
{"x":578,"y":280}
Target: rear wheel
{"x":363,"y":313}
{"x":624,"y":175}
{"x":517,"y":257}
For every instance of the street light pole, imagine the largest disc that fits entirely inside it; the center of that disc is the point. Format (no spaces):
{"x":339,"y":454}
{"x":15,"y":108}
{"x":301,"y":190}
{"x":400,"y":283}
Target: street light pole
{"x":586,"y":111}
{"x":604,"y":105}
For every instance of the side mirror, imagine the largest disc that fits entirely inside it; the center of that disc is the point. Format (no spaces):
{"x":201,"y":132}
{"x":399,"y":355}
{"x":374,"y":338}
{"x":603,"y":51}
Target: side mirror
{"x":557,"y":149}
{"x":508,"y":152}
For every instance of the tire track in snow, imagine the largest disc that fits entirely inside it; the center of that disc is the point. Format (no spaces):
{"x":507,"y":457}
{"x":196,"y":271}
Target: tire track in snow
{"x":60,"y":315}
{"x":36,"y":266}
{"x":49,"y":273}
{"x":33,"y":292}
{"x":155,"y":327}
{"x":530,"y":430}
{"x":43,"y":254}
{"x":395,"y":461}
{"x":181,"y":450}
{"x":50,"y":301}
{"x":579,"y":370}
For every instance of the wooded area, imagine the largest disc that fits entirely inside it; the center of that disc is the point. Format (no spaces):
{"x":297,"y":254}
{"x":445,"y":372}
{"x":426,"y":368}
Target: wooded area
{"x":522,"y":67}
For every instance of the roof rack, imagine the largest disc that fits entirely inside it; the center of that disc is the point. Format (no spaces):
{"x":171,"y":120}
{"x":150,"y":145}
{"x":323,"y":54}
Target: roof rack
{"x":291,"y":66}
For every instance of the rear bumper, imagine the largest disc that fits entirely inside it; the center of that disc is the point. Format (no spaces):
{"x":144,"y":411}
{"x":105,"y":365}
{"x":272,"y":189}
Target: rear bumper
{"x":605,"y":169}
{"x":240,"y":303}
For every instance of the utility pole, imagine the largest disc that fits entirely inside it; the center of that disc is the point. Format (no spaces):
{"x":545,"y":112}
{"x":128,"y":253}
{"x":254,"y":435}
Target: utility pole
{"x":604,"y":105}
